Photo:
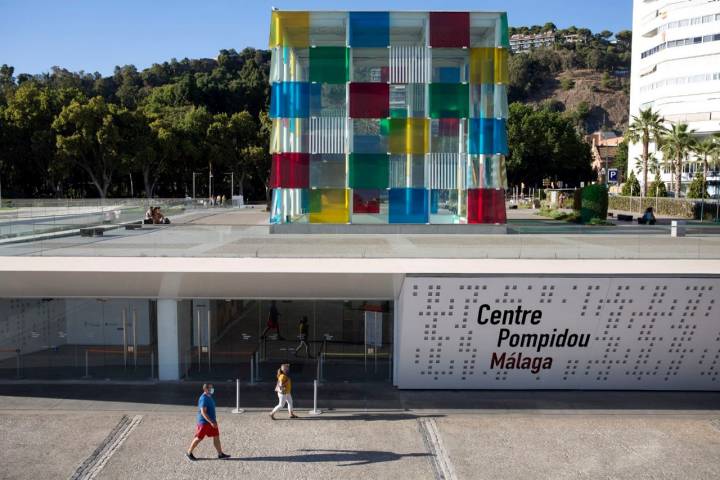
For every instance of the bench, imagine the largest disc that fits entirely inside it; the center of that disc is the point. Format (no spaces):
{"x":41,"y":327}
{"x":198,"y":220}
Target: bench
{"x":625,"y":218}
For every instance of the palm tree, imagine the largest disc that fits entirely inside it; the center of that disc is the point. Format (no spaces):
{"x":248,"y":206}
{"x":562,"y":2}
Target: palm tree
{"x":708,"y":148}
{"x":648,"y":125}
{"x":676,"y":144}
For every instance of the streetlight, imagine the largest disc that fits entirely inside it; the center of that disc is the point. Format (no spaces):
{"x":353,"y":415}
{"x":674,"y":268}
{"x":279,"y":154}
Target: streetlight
{"x":210,"y":177}
{"x":194,"y":173}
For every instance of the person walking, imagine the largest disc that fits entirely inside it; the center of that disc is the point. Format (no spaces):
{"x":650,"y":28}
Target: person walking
{"x":284,"y":391}
{"x":206,"y":423}
{"x":273,"y":322}
{"x":302,"y":336}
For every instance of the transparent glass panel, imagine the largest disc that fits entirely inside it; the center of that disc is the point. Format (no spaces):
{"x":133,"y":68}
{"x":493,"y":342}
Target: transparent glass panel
{"x":409,"y":28}
{"x":409,"y":135}
{"x":289,"y":65}
{"x":488,"y":101}
{"x":407,"y":171}
{"x":328,"y":29}
{"x":484,"y":28}
{"x":328,"y":171}
{"x":370,"y":206}
{"x":450,"y":65}
{"x":445,"y":171}
{"x":289,"y":135}
{"x":289,"y":205}
{"x":409,"y":64}
{"x":368,"y":171}
{"x":328,"y":100}
{"x":328,"y":134}
{"x":448,"y":135}
{"x":369,"y":135}
{"x":407,"y":100}
{"x":444,"y":206}
{"x":370,"y":65}
{"x":329,"y":205}
{"x":329,"y":64}
{"x":449,"y":100}
{"x":486,"y":171}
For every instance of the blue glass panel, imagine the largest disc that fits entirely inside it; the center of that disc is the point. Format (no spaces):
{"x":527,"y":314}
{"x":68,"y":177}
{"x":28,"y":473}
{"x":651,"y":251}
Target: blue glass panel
{"x":487,"y":136}
{"x":369,"y":29}
{"x":434,"y":201}
{"x":500,"y":141}
{"x":290,"y":100}
{"x":408,"y":205}
{"x":447,"y":75}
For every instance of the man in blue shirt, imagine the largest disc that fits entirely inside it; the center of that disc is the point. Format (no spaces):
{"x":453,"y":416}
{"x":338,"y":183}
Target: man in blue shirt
{"x":206,"y":423}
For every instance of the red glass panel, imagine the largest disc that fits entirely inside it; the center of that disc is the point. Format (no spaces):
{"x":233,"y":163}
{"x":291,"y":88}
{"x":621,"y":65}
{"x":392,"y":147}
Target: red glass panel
{"x":486,"y":205}
{"x":450,"y":29}
{"x":366,"y":201}
{"x":290,"y":170}
{"x":449,"y":127}
{"x":369,"y":100}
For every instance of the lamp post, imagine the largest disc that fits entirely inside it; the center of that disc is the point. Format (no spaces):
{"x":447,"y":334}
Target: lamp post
{"x":194,"y":174}
{"x":210,"y":177}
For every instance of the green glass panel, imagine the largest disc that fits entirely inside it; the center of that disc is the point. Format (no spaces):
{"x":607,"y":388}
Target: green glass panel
{"x":368,"y":170}
{"x":449,"y":100}
{"x":504,"y":39}
{"x":329,"y":64}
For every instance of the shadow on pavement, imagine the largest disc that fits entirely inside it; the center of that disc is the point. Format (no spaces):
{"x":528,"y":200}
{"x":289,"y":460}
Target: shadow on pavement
{"x":343,"y":458}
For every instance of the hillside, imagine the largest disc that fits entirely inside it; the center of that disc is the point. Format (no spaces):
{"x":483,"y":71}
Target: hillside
{"x":608,"y":105}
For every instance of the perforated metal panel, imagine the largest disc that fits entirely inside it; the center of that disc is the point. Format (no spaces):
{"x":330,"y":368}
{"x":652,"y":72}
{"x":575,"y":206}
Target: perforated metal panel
{"x":644,"y":333}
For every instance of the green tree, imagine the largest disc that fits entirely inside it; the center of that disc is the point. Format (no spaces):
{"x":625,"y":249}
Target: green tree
{"x":631,"y":187}
{"x":657,"y":188}
{"x":709,"y":150}
{"x":676,"y":144}
{"x":88,"y":137}
{"x":646,"y":127}
{"x":621,"y":159}
{"x":697,"y":188}
{"x":544,"y":144}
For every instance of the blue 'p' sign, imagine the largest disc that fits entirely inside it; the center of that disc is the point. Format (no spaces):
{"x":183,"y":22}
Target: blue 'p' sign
{"x":612,"y":175}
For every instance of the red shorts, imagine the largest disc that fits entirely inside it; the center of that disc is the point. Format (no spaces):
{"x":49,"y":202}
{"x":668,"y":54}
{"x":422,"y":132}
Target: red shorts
{"x":203,"y":430}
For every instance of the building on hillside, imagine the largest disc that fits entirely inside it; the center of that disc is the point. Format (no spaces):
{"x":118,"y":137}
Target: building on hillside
{"x":388,"y":117}
{"x":676,"y":71}
{"x":524,"y":43}
{"x":604,"y":148}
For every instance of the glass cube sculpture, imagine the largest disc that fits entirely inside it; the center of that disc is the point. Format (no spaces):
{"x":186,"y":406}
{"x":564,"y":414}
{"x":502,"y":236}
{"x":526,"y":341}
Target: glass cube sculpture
{"x":388,"y":117}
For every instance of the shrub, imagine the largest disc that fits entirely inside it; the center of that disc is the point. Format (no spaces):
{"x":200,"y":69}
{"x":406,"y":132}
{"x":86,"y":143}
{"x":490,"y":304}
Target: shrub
{"x":631,"y":187}
{"x":567,"y":83}
{"x":695,"y":190}
{"x":657,"y":188}
{"x":593,"y":202}
{"x":672,"y":207}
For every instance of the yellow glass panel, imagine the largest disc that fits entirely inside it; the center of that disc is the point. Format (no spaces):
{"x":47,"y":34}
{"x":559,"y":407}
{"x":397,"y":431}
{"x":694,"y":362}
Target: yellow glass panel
{"x":482,"y":65}
{"x":290,"y":29}
{"x":501,"y":66}
{"x":330,"y":205}
{"x":409,"y":135}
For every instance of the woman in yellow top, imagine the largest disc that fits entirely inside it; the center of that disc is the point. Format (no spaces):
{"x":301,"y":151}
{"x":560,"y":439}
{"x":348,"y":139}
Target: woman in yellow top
{"x":284,"y":391}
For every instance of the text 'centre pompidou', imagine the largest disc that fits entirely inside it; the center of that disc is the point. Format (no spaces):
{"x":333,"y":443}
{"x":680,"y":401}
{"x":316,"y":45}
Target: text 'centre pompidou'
{"x":388,"y":117}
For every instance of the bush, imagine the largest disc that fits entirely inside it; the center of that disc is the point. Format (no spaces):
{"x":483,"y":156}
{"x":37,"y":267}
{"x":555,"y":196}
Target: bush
{"x":593,"y":202}
{"x":567,"y":83}
{"x":695,"y":190}
{"x":657,"y":188}
{"x":631,"y":187}
{"x":671,"y":207}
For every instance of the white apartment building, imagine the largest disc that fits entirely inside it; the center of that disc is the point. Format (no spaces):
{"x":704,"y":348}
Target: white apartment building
{"x":676,"y":71}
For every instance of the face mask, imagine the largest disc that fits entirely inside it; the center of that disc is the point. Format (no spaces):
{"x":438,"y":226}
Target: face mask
{"x":211,"y":391}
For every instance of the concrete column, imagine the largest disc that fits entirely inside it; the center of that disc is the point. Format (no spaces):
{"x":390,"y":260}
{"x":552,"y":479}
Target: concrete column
{"x":168,"y":340}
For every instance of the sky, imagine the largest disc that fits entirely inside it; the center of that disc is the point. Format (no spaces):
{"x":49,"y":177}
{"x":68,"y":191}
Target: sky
{"x":97,"y":35}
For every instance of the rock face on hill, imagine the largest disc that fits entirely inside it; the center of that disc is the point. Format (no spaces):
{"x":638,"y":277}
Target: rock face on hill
{"x":605,"y":97}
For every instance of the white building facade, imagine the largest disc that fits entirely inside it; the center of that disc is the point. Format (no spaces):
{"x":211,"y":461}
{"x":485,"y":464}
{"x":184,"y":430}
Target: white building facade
{"x":676,"y":71}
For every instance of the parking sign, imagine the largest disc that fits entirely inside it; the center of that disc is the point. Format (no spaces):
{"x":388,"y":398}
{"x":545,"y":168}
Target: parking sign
{"x":612,"y":175}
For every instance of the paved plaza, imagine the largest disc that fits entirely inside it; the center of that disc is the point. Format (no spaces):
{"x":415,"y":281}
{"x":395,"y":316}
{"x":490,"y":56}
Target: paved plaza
{"x":56,"y":433}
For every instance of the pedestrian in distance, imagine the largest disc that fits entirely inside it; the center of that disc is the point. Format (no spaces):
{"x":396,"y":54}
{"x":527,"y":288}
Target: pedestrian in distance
{"x":283,"y":388}
{"x":206,"y":423}
{"x":273,"y":322}
{"x":302,"y":336}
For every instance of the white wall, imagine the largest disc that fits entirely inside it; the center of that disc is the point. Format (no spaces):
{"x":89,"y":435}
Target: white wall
{"x":645,"y":333}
